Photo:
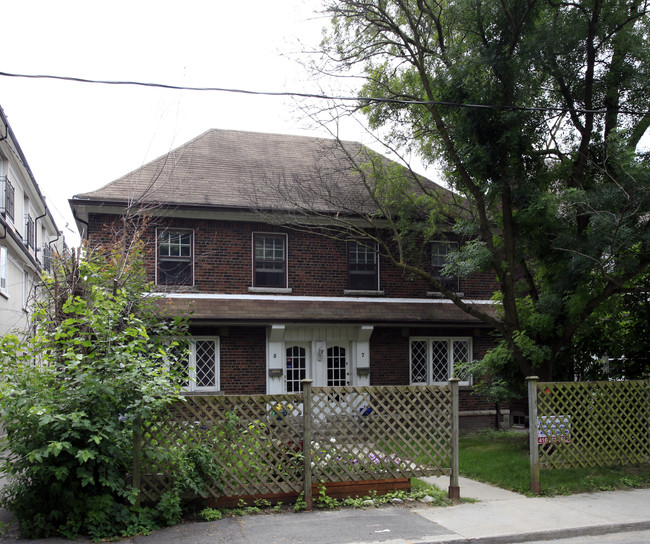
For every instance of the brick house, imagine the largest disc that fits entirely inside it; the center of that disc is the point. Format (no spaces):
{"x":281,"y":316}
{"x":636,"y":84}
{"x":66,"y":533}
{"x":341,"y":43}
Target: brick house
{"x":272,"y":304}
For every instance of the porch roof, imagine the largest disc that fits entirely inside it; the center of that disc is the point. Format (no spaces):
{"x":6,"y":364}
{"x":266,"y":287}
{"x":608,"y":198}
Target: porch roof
{"x":266,"y":309}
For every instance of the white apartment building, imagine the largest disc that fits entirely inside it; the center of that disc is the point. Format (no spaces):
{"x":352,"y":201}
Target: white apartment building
{"x":29,"y":236}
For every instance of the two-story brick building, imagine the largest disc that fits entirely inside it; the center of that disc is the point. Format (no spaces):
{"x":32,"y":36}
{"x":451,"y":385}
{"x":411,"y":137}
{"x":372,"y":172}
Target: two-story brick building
{"x":270,"y":303}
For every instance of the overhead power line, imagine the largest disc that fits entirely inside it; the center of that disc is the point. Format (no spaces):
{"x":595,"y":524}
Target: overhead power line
{"x":368,"y":99}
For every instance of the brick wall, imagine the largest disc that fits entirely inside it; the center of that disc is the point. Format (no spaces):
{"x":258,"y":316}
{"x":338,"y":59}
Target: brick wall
{"x":317,"y":265}
{"x":243,"y":361}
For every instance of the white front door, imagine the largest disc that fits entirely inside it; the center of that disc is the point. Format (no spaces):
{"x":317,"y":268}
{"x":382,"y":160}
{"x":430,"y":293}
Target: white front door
{"x":328,"y":355}
{"x":297,"y":366}
{"x":321,"y":362}
{"x":338,"y":366}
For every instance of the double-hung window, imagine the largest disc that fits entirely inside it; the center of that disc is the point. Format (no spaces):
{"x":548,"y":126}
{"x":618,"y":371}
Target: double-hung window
{"x":269,"y":260}
{"x":175,"y":256}
{"x":363,"y":267}
{"x":439,"y":260}
{"x":199,"y":364}
{"x":434,"y":360}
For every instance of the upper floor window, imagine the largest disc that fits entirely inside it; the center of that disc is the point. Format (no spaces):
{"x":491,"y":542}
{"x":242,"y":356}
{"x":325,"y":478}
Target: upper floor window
{"x":47,"y":257}
{"x":434,"y":359}
{"x":8,"y":197}
{"x":439,"y":259}
{"x":363,"y":267}
{"x":30,"y":234}
{"x":175,"y":255}
{"x":269,"y":260}
{"x":3,"y":270}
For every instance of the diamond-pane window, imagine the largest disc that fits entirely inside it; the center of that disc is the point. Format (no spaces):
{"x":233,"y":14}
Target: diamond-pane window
{"x":200,"y":367}
{"x":461,"y":355}
{"x":419,"y":360}
{"x":205,"y":363}
{"x":439,"y":361}
{"x":433,"y":359}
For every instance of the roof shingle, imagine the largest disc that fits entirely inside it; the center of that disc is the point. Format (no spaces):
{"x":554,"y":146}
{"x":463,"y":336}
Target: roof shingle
{"x":236,"y":169}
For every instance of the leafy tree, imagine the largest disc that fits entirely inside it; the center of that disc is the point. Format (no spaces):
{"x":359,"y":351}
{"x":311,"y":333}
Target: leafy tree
{"x":615,"y":340}
{"x":95,"y":364}
{"x":534,"y":110}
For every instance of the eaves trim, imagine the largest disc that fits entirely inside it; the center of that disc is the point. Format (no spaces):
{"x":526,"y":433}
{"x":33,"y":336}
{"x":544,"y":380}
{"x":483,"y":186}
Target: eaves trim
{"x":301,"y":298}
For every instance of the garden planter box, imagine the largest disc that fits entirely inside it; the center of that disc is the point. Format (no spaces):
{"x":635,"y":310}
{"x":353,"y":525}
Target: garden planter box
{"x":337,"y":490}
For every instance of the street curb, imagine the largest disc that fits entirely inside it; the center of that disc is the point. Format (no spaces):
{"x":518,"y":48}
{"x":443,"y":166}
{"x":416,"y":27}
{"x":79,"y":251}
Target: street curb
{"x":551,"y":534}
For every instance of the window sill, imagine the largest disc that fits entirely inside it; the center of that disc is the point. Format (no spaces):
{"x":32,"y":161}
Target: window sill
{"x":438,"y":294}
{"x":169,"y":288}
{"x":363,"y":293}
{"x":202,"y":392}
{"x":4,"y":293}
{"x":271,"y":290}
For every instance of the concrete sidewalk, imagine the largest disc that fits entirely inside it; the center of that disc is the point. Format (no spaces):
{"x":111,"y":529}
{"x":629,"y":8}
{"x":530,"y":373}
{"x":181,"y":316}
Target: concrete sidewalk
{"x":498,"y":516}
{"x":502,"y":516}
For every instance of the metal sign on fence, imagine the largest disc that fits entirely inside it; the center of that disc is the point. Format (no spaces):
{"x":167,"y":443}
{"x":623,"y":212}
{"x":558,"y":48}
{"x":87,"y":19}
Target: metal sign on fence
{"x":553,"y":429}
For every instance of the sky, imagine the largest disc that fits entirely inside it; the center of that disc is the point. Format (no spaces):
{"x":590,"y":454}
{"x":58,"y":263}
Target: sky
{"x":77,"y":136}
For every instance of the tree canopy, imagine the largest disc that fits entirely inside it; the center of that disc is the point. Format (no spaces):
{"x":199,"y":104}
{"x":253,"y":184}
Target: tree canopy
{"x":535,"y":111}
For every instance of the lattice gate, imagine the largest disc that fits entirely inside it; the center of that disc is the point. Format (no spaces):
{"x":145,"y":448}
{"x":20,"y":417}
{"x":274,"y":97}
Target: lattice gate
{"x":381,"y":432}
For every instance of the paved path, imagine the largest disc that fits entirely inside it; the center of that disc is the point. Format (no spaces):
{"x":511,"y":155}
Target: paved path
{"x":497,"y":516}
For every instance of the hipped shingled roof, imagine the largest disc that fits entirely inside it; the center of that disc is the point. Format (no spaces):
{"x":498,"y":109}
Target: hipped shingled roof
{"x":239,"y":170}
{"x":229,"y":170}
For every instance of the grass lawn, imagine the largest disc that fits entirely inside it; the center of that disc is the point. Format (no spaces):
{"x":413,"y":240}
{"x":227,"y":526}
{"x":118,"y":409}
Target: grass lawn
{"x":501,"y":458}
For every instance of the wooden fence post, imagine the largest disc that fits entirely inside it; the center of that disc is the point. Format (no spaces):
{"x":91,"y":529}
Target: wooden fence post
{"x":535,"y":484}
{"x":306,"y":441}
{"x":454,"y":488}
{"x":137,"y":457}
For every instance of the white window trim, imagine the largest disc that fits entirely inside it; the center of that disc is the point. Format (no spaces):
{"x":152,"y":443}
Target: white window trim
{"x":192,"y":259}
{"x":450,"y":363}
{"x":378,"y":290}
{"x":192,"y":387}
{"x":262,"y":289}
{"x":451,"y":244}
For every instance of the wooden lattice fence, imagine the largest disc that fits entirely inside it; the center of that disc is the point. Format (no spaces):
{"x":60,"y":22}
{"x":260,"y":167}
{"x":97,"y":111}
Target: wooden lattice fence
{"x":589,"y":424}
{"x":371,"y":433}
{"x":256,"y":442}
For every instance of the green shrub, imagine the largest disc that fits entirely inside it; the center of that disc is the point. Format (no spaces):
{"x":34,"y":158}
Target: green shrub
{"x":96,"y":363}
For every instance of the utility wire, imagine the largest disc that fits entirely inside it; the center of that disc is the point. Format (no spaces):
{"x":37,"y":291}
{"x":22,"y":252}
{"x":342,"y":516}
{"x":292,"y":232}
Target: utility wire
{"x":367,"y":99}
